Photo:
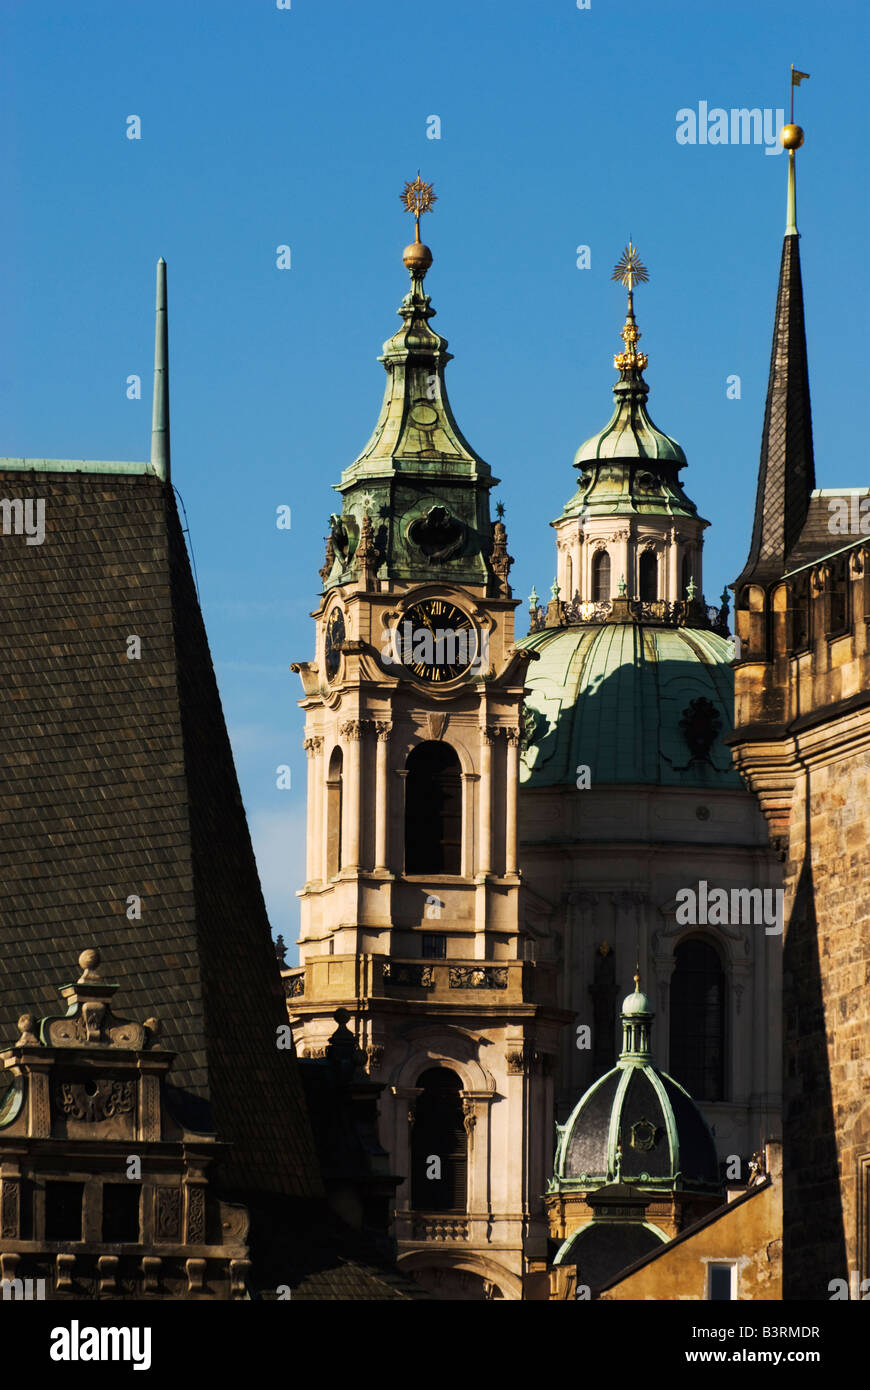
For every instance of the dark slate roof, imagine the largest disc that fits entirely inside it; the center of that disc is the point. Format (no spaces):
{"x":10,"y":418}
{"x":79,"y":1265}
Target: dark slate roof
{"x":816,"y":541}
{"x":786,"y":474}
{"x":603,"y":1248}
{"x":118,"y":779}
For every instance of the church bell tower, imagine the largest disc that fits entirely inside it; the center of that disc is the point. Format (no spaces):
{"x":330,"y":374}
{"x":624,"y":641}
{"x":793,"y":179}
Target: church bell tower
{"x":410,"y":910}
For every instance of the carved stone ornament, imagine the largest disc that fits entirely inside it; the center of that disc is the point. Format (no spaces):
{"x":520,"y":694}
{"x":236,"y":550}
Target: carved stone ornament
{"x":478,"y":977}
{"x":643,"y":1135}
{"x":439,"y":534}
{"x":168,"y":1213}
{"x":93,"y":1101}
{"x":374,"y":1057}
{"x":435,"y":725}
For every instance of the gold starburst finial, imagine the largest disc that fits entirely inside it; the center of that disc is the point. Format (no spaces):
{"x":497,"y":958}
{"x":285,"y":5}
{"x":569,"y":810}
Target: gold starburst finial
{"x":629,"y":268}
{"x":417,"y":198}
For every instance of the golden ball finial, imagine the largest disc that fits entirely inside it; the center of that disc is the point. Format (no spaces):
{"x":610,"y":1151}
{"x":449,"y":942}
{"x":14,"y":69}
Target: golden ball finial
{"x":417,"y":257}
{"x":791,"y":137}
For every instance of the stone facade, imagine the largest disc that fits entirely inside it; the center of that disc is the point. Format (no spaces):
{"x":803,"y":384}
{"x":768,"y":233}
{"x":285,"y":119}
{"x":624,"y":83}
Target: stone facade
{"x":802,"y":741}
{"x":104,"y":1191}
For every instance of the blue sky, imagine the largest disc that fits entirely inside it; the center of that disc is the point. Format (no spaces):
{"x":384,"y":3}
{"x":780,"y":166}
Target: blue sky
{"x":262,"y":127}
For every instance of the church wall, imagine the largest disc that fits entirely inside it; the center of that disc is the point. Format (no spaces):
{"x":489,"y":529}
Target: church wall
{"x":827,"y":1083}
{"x":606,"y":865}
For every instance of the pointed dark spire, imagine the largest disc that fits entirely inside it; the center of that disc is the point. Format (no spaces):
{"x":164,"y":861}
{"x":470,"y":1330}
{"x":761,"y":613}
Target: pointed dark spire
{"x":786,"y":474}
{"x":160,"y":414}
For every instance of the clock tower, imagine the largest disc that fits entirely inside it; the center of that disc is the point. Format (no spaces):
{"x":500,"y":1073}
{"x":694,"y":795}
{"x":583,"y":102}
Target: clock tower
{"x":410,"y":910}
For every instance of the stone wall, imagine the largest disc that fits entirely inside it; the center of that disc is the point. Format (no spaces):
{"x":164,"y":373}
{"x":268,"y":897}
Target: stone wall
{"x":827,"y":1009}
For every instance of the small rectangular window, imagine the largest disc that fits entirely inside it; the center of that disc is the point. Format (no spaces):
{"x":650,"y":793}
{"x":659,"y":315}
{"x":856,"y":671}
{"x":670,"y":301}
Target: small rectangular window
{"x":720,"y":1282}
{"x":434,"y":946}
{"x":121,"y":1212}
{"x":63,"y":1210}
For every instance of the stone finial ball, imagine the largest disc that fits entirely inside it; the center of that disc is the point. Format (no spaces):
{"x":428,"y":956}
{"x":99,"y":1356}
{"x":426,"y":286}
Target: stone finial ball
{"x":89,"y":960}
{"x":26,"y":1023}
{"x":791,"y":137}
{"x":417,"y":256}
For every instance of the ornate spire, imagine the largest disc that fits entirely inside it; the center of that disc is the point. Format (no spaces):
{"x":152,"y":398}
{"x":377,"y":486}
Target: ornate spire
{"x":418,"y":198}
{"x":629,"y":269}
{"x":786,"y":474}
{"x":424,"y":488}
{"x":160,"y":458}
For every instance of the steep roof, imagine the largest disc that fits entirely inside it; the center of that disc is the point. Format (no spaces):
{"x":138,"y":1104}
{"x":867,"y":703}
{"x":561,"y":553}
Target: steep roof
{"x":786,"y":473}
{"x":119,"y":782}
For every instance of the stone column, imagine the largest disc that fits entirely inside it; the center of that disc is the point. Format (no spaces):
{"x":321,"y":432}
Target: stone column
{"x":513,"y":772}
{"x":382,"y":796}
{"x":484,"y":842}
{"x":621,"y":567}
{"x":313,"y":867}
{"x":469,"y":780}
{"x":673,"y":591}
{"x":351,"y":732}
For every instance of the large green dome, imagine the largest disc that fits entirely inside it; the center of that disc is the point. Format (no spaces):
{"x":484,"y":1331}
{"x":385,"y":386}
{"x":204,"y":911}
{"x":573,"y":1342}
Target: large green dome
{"x":632,"y":702}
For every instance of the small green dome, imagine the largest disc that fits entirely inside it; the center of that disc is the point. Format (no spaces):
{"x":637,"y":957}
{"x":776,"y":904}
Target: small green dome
{"x":636,"y":1125}
{"x":630,"y":434}
{"x":632,"y":702}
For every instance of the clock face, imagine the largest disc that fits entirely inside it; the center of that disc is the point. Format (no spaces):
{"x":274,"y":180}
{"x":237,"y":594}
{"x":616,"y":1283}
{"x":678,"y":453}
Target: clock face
{"x":333,"y":639}
{"x":436,"y":641}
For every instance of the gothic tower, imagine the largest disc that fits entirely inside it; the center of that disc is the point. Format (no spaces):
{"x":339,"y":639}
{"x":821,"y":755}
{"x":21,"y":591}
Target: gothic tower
{"x":410,"y":907}
{"x":802,"y":743}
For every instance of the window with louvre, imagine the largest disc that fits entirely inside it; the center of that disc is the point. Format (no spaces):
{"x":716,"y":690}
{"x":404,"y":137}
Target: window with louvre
{"x":439,"y":1135}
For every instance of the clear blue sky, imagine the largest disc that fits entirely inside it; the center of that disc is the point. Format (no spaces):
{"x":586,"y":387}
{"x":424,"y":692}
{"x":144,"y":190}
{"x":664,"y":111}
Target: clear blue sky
{"x":263,"y":127}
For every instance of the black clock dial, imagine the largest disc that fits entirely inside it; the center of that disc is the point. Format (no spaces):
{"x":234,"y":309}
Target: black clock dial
{"x":436,"y":641}
{"x":332,"y":642}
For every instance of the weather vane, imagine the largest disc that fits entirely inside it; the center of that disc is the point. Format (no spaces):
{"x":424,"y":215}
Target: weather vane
{"x":629,"y":268}
{"x":418,"y":197}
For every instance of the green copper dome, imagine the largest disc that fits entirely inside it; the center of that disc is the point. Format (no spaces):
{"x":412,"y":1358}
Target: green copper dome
{"x":629,"y":434}
{"x":636,"y":1125}
{"x":632,"y":702}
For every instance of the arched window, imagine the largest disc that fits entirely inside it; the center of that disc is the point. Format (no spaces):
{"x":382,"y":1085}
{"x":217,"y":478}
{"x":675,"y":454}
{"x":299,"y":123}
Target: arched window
{"x":648,"y":576}
{"x":569,"y":578}
{"x":433,"y":811}
{"x":686,"y":573}
{"x":698,"y":1020}
{"x":439,"y":1144}
{"x":600,"y":576}
{"x":333,"y":813}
